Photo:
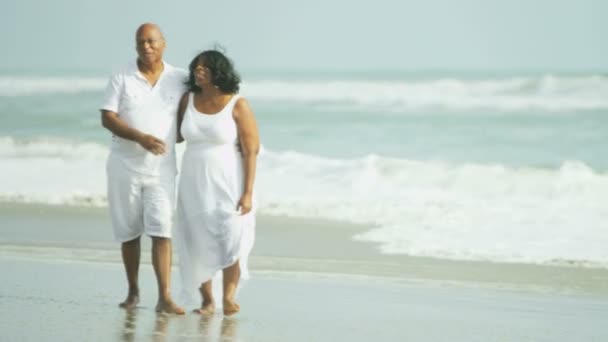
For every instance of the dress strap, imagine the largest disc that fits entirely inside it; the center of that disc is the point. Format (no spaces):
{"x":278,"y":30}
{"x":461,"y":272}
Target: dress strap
{"x":230,"y":105}
{"x":190,"y":99}
{"x":235,"y":98}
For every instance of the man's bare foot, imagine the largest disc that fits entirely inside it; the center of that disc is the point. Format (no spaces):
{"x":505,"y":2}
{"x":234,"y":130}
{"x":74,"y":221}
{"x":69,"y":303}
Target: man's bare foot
{"x":169,"y":307}
{"x":130,"y":303}
{"x":230,"y":307}
{"x":206,"y":309}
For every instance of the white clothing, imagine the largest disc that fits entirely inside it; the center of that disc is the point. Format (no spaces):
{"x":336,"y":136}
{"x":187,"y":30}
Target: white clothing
{"x":210,"y":234}
{"x":149,"y":109}
{"x":139,"y":203}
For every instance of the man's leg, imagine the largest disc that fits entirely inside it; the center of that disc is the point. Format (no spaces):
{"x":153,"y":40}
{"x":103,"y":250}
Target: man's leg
{"x":131,"y":252}
{"x":124,"y":202}
{"x":161,"y":260}
{"x":159,"y":199}
{"x":231,"y":280}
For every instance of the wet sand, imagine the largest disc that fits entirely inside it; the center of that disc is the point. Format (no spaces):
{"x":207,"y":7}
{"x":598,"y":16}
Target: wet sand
{"x":310,"y":282}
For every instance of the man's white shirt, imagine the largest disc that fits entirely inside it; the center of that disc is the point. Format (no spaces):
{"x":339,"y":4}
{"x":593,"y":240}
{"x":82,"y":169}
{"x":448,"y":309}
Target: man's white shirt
{"x":149,"y":109}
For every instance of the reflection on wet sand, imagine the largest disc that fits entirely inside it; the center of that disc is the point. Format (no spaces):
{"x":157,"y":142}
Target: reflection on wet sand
{"x":210,"y":324}
{"x":160,"y":327}
{"x":128,"y":331}
{"x":212,"y":328}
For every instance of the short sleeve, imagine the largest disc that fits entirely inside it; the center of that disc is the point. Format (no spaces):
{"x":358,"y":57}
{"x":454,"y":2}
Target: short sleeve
{"x":184,"y":75}
{"x":113,"y":91}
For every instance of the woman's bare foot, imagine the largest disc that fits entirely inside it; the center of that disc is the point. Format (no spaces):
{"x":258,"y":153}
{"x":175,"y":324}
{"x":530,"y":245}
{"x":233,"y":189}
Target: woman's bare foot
{"x":207,"y":308}
{"x":169,"y":307}
{"x":131,"y":301}
{"x":230,"y":307}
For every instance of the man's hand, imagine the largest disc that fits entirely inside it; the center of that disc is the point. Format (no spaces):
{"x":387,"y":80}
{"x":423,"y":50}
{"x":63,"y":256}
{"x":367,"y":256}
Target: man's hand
{"x":152,"y":144}
{"x":113,"y":122}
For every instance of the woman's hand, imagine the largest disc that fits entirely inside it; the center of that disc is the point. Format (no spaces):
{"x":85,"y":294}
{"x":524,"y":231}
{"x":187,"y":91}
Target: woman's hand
{"x":245,"y":204}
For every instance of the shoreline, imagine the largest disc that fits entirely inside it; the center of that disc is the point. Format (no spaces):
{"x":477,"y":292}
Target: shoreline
{"x":276,"y":307}
{"x":286,"y":245}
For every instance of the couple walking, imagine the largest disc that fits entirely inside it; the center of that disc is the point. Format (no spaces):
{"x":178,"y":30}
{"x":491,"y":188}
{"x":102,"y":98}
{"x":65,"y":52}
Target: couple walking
{"x":149,"y":106}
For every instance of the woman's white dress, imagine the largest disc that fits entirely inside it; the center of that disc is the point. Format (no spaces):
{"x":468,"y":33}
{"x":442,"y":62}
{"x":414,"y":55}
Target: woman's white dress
{"x":210,"y":234}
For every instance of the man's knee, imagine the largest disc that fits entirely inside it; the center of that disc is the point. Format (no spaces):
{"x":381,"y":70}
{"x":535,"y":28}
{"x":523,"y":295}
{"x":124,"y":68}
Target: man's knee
{"x":132,"y":243}
{"x":160,"y":239}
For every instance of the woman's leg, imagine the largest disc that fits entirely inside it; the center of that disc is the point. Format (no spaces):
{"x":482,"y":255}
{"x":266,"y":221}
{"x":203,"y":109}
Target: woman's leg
{"x":208,"y":305}
{"x":231,"y":281}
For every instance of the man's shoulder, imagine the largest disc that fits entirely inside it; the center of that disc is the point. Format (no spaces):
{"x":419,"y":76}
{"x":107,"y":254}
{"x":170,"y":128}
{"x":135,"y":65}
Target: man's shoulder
{"x":124,"y":70}
{"x":176,"y":71}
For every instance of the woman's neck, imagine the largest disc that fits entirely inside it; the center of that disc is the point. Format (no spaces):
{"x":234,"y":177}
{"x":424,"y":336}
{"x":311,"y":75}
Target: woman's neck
{"x":210,"y":91}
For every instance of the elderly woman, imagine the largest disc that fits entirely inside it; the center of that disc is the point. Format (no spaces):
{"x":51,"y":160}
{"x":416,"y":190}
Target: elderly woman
{"x":216,"y":216}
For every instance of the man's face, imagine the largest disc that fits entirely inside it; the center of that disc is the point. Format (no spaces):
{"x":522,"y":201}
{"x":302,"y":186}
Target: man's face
{"x":150,"y":45}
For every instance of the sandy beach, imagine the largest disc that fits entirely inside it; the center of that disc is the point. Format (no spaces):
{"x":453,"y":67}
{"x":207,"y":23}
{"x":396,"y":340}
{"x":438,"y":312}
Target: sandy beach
{"x":309,"y":283}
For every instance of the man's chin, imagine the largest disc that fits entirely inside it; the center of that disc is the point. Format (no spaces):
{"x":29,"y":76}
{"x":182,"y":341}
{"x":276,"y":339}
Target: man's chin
{"x":149,"y":59}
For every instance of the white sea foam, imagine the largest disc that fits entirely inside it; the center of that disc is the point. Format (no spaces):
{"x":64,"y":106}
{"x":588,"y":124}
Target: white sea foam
{"x":467,"y":211}
{"x":52,"y":171}
{"x":50,"y":148}
{"x":19,"y":86}
{"x":548,"y":93}
{"x":424,"y":208}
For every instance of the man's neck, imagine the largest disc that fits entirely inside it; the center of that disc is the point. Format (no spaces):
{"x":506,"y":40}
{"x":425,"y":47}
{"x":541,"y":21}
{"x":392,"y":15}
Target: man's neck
{"x":150,"y":68}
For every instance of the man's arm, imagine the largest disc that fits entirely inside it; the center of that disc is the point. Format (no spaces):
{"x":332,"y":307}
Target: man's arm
{"x":111,"y":121}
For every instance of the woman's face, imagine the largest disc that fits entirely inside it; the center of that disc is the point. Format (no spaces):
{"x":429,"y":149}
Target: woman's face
{"x":202,"y":75}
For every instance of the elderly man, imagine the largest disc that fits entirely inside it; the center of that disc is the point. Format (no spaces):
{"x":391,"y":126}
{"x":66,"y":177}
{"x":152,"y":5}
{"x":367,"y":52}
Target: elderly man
{"x":140,"y":109}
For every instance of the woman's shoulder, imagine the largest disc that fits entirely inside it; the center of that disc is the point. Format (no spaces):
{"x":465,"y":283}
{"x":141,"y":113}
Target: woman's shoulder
{"x":241,"y":107}
{"x":240,"y":101}
{"x":183,"y":102}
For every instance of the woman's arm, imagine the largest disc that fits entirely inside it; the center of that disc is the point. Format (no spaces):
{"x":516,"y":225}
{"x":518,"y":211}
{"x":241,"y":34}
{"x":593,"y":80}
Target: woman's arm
{"x":181,"y":109}
{"x":250,"y":146}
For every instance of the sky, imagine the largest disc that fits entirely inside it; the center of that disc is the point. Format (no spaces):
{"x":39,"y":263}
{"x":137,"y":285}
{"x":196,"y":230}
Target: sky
{"x":546,"y":35}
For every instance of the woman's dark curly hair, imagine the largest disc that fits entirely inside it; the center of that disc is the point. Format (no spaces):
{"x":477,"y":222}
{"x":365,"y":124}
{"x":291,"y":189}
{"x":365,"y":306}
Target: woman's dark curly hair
{"x":223,"y":74}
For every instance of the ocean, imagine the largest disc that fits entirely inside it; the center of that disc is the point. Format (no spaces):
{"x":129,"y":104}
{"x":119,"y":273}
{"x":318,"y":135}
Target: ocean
{"x":493,"y":166}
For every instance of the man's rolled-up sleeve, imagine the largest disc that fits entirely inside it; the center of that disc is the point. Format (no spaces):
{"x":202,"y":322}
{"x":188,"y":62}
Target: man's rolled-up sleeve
{"x":111,"y":99}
